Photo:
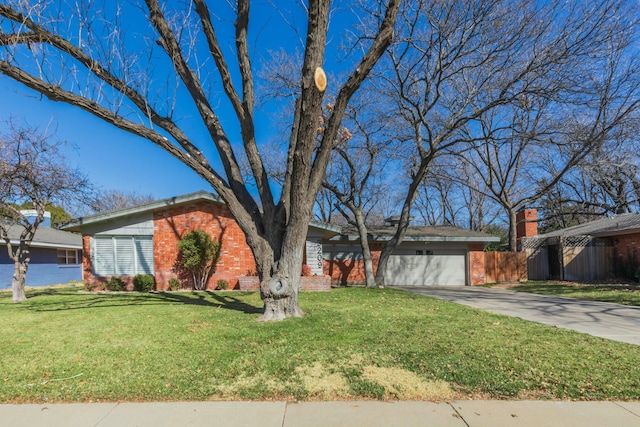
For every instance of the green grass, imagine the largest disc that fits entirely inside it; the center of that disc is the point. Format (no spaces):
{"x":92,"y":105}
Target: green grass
{"x":65,"y":346}
{"x":627,"y":294}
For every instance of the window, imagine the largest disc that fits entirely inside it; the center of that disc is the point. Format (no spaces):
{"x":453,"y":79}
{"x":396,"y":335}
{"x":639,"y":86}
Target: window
{"x":68,"y":256}
{"x":123,"y":255}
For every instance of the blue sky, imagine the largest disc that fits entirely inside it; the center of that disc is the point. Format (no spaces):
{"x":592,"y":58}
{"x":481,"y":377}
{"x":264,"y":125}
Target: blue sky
{"x":114,"y":159}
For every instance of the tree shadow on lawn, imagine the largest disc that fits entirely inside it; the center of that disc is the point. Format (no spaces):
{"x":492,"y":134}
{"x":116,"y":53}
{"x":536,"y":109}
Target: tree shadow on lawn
{"x":220,"y":301}
{"x":79,"y":301}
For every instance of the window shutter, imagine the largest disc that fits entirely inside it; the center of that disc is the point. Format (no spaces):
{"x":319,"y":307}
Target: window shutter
{"x":104,"y":262}
{"x":144,"y":252}
{"x":125,"y":256}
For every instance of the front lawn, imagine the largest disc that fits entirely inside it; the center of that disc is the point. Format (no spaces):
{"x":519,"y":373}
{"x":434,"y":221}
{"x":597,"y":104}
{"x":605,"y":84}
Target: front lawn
{"x":627,"y":294}
{"x":65,"y":346}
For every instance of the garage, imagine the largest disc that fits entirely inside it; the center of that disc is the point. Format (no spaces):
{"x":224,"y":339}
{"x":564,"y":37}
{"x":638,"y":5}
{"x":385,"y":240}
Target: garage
{"x":427,"y":270}
{"x":427,"y":256}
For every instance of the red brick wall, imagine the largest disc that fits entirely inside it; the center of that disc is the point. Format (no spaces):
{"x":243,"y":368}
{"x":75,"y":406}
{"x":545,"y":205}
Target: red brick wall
{"x":351,"y":271}
{"x":87,"y":274}
{"x":477,"y":267}
{"x":215,"y":219}
{"x":626,"y":246}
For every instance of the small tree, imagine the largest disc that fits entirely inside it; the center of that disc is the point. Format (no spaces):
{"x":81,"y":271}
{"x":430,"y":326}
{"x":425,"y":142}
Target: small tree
{"x":33,"y":173}
{"x":197,"y":257}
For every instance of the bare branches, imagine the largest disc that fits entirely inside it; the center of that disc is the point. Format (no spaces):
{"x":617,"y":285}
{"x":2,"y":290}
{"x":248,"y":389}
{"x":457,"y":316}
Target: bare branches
{"x":33,"y":172}
{"x":380,"y":43}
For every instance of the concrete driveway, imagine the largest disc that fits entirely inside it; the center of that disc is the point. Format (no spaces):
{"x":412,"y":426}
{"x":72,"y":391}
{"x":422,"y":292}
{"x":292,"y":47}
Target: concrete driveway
{"x":601,"y":319}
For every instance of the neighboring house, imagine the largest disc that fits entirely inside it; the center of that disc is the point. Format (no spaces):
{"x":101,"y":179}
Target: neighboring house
{"x":144,"y":240}
{"x":56,"y":256}
{"x":590,"y":251}
{"x":428,"y":256}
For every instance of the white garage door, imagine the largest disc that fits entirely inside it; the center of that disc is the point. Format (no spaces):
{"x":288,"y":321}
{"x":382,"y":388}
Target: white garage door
{"x":426,"y":270}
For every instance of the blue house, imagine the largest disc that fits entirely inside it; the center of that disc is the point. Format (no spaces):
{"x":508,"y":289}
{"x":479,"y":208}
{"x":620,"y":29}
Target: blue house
{"x":56,"y":257}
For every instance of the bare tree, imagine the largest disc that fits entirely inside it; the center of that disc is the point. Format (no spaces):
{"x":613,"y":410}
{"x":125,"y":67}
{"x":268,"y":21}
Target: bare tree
{"x":356,"y":176}
{"x":81,"y":54}
{"x":606,"y":182}
{"x":452,"y":194}
{"x":454,"y":62}
{"x":111,"y":200}
{"x":523,"y":149}
{"x":34,"y":173}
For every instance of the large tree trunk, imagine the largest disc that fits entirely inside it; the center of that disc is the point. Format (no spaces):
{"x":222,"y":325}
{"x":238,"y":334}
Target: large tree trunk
{"x":513,"y":236}
{"x":17,"y":282}
{"x":280,"y":281}
{"x":366,"y":251}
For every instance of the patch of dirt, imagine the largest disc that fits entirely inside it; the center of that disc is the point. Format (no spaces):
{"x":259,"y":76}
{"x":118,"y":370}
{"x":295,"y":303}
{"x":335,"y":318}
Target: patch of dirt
{"x":321,"y":383}
{"x":405,"y":385}
{"x":506,"y":285}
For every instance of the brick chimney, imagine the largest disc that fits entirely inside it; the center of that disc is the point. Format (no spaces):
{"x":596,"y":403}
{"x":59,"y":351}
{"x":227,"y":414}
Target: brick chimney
{"x":526,"y":224}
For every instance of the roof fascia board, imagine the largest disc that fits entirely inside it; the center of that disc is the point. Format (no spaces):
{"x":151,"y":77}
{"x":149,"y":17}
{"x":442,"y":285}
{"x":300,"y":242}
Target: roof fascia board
{"x":488,"y":239}
{"x":615,"y":232}
{"x":148,"y":207}
{"x":44,"y":245}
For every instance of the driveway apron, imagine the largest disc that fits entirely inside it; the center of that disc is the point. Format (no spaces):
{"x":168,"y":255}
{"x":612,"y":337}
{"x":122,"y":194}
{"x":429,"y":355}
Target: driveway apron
{"x":601,"y":319}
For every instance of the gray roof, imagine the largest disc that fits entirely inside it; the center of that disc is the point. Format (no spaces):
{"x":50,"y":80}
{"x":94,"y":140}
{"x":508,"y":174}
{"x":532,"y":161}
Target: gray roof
{"x":78,"y":223}
{"x":47,"y":237}
{"x":432,"y":234}
{"x":424,"y":234}
{"x":619,"y":224}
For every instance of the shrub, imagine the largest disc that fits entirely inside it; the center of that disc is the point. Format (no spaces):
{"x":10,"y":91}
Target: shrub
{"x":144,"y":283}
{"x":197,"y":257}
{"x":115,"y":284}
{"x":223,"y":284}
{"x":174,"y":284}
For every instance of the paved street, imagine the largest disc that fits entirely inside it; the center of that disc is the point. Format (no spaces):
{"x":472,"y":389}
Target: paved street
{"x":601,"y":319}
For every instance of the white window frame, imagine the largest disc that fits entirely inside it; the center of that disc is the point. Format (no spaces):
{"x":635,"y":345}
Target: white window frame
{"x":68,"y":254}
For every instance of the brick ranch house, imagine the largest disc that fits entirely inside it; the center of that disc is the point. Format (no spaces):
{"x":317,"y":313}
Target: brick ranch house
{"x":144,"y":240}
{"x":594,"y":250}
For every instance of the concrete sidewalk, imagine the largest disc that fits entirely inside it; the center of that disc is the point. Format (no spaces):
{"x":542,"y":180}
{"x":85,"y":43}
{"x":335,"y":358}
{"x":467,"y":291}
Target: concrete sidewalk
{"x":325,"y":414}
{"x":601,"y":319}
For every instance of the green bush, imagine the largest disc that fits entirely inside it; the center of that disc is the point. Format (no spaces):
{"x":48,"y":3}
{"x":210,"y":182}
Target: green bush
{"x":197,"y":257}
{"x":115,"y":284}
{"x":223,"y":284}
{"x":144,"y":283}
{"x":174,"y":284}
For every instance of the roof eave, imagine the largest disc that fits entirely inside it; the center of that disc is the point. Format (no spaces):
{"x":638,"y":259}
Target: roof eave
{"x":46,"y":244}
{"x":615,"y":232}
{"x":76,"y":224}
{"x":469,"y":239}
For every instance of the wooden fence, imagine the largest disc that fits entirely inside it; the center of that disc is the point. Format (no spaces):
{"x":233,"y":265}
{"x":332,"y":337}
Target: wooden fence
{"x":574,"y":258}
{"x":500,"y":267}
{"x":586,"y":263}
